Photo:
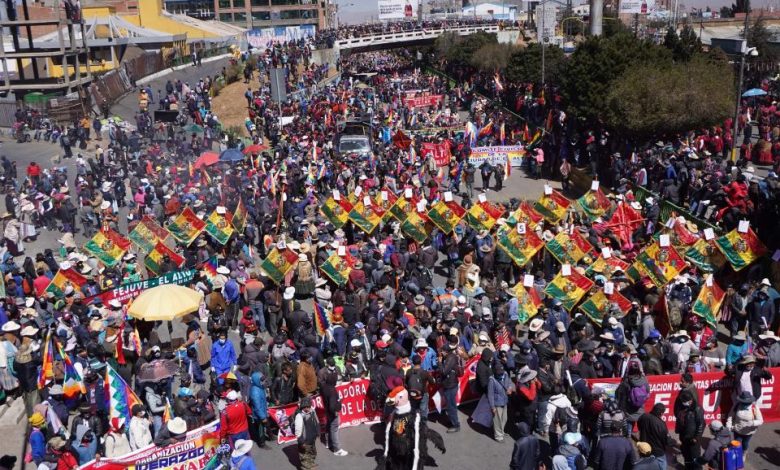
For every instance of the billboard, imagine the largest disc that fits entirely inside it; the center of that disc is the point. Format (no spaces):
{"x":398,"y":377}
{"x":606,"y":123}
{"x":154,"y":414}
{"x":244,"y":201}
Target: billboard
{"x":641,"y":7}
{"x":397,"y":9}
{"x":262,"y":38}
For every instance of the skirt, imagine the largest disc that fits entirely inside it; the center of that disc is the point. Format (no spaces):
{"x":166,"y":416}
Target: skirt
{"x":304,"y":288}
{"x":7,"y":380}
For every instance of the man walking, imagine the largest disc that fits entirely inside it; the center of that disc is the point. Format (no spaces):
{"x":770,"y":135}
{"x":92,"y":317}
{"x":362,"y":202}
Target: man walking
{"x":653,"y":431}
{"x":307,"y":430}
{"x":449,"y":383}
{"x":689,"y":428}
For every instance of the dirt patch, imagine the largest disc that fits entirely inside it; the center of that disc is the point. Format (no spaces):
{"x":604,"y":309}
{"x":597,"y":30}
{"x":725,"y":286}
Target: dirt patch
{"x":230,"y":105}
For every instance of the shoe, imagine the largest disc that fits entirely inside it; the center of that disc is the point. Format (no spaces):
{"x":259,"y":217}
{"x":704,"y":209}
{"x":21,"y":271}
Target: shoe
{"x":453,"y":430}
{"x":499,"y":439}
{"x":341,"y":453}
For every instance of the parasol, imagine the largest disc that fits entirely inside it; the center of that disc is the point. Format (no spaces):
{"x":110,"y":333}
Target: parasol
{"x":165,"y":302}
{"x":231,"y":155}
{"x":255,"y":149}
{"x":206,"y":159}
{"x":753,"y":92}
{"x":157,"y":370}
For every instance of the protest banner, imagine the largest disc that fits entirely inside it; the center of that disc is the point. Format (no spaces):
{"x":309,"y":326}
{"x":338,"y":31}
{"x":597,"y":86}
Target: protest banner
{"x":422,"y":101}
{"x":356,"y":408}
{"x":193,"y":453}
{"x":132,"y":290}
{"x":440,"y":152}
{"x":497,"y":155}
{"x":715,"y":392}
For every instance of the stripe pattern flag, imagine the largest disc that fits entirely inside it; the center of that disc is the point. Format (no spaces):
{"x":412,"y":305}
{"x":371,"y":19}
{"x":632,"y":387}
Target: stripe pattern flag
{"x":679,"y":235}
{"x":600,"y":304}
{"x":526,"y":214}
{"x":186,"y":227}
{"x":552,"y":206}
{"x":72,"y":384}
{"x":46,"y":373}
{"x":156,"y":258}
{"x":660,"y":264}
{"x":64,"y":278}
{"x":385,"y":200}
{"x":520,"y":247}
{"x":337,"y":212}
{"x":568,"y":289}
{"x":278,"y":263}
{"x":147,"y":233}
{"x":321,"y":319}
{"x":705,"y":256}
{"x":606,"y":266}
{"x":708,"y":303}
{"x":238,"y":217}
{"x":366,"y":217}
{"x":219,"y":228}
{"x":568,"y":248}
{"x":210,"y":268}
{"x":595,"y":204}
{"x":337,"y":268}
{"x":417,"y":226}
{"x":528,"y":302}
{"x":108,"y":247}
{"x":446,"y":215}
{"x":403,"y":206}
{"x":120,"y":396}
{"x":483,"y":215}
{"x":741,"y":249}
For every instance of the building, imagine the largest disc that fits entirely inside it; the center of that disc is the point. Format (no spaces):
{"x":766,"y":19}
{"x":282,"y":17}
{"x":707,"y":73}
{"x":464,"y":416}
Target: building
{"x":493,"y":11}
{"x":265,"y":14}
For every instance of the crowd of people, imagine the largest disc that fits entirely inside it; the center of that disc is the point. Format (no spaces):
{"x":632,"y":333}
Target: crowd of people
{"x":412,"y":309}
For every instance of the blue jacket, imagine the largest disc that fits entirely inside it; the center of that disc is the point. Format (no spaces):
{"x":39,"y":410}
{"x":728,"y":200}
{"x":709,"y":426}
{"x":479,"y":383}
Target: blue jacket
{"x":257,"y":397}
{"x":231,"y":291}
{"x":223,"y":356}
{"x":37,"y":446}
{"x":430,"y":362}
{"x":496,"y":392}
{"x":734,"y":353}
{"x":242,"y":463}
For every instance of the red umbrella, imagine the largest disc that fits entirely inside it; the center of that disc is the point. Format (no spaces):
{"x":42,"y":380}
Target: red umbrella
{"x":255,"y":149}
{"x":206,"y":159}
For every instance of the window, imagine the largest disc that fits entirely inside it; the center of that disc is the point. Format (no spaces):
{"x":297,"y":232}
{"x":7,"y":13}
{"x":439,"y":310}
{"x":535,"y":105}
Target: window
{"x":259,"y":3}
{"x":239,"y":17}
{"x":289,"y":14}
{"x":224,"y":3}
{"x":238,"y":3}
{"x":261,"y":15}
{"x":285,"y":2}
{"x":226,"y":17}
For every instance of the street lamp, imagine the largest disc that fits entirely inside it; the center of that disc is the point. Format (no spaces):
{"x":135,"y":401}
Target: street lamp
{"x":746,"y":51}
{"x":544,"y":37}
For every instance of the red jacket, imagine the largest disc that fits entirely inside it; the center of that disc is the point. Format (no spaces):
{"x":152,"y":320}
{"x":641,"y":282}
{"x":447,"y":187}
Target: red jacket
{"x":233,"y":419}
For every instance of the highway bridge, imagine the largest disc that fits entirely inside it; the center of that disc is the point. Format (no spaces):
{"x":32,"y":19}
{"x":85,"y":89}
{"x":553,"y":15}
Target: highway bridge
{"x":397,"y":39}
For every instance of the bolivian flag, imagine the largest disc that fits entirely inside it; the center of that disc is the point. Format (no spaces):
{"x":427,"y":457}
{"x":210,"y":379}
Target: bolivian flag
{"x":569,"y":248}
{"x":600,"y":304}
{"x":337,"y":268}
{"x":385,"y":200}
{"x":708,"y":303}
{"x":595,"y":204}
{"x":606,"y":266}
{"x":661,"y":265}
{"x":526,"y":214}
{"x":416,"y":226}
{"x":741,"y":249}
{"x":528,"y":302}
{"x":337,"y":212}
{"x":63,"y":278}
{"x":552,"y":207}
{"x":483,"y":215}
{"x":568,"y":289}
{"x":705,"y":256}
{"x":147,"y":233}
{"x":446,"y":215}
{"x":108,"y":246}
{"x":279,"y":263}
{"x":366,"y":217}
{"x":186,"y":227}
{"x":238,"y":217}
{"x":156,"y":257}
{"x":520,"y":247}
{"x":403,"y":207}
{"x":219,"y":228}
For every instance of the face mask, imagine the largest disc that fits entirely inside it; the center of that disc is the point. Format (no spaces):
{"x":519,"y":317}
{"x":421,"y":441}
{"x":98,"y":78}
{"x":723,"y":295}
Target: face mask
{"x":222,"y":341}
{"x":331,"y":368}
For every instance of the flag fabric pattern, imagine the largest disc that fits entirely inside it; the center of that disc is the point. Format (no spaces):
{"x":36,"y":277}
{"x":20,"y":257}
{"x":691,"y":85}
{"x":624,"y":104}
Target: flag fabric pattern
{"x":403,"y":206}
{"x":366,"y":217}
{"x":553,"y":206}
{"x":708,"y":303}
{"x":416,"y":225}
{"x":528,"y":302}
{"x":595,"y":204}
{"x":526,"y":214}
{"x":108,"y":247}
{"x":238,"y":217}
{"x":569,"y":248}
{"x":384,"y":201}
{"x":321,"y":319}
{"x":186,"y":227}
{"x":210,"y":268}
{"x":705,"y":255}
{"x":72,"y":384}
{"x":120,"y":396}
{"x":600,"y":304}
{"x":337,"y":268}
{"x":741,"y":249}
{"x":64,"y":278}
{"x":219,"y":228}
{"x":446,"y":215}
{"x":483,"y":215}
{"x":660,"y":264}
{"x":155,"y":259}
{"x":46,"y":373}
{"x":278,"y":263}
{"x":624,"y":221}
{"x":569,"y":289}
{"x":520,"y":247}
{"x":337,"y":212}
{"x":147,"y":233}
{"x":606,"y":266}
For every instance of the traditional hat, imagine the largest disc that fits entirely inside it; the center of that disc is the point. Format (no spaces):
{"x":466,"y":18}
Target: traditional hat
{"x":536,"y":324}
{"x":57,"y":443}
{"x":748,"y":359}
{"x":419,"y":299}
{"x":526,"y":375}
{"x":420,"y":343}
{"x":178,"y":425}
{"x":105,"y":205}
{"x":289,"y":293}
{"x":223,"y":270}
{"x":607,"y":336}
{"x":11,"y":326}
{"x":241,"y":447}
{"x":29,"y":330}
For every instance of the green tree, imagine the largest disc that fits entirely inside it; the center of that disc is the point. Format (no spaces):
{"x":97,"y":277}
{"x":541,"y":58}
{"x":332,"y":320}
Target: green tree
{"x":525,"y":65}
{"x":683,"y":46}
{"x":760,"y":38}
{"x":649,"y":100}
{"x":461,"y":49}
{"x":492,"y":57}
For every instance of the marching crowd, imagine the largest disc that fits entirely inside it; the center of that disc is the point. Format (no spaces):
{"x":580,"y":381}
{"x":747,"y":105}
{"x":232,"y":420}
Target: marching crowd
{"x":412,"y":310}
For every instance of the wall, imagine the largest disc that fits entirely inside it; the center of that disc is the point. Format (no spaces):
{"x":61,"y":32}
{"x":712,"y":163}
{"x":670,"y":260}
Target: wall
{"x":325,"y":56}
{"x":36,"y":12}
{"x":150,"y":16}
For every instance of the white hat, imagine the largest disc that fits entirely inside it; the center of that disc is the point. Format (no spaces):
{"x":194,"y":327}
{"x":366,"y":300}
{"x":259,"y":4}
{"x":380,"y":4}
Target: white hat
{"x":765,"y":282}
{"x":65,"y":265}
{"x":115,"y":303}
{"x":105,"y":205}
{"x":536,"y":324}
{"x":29,"y":301}
{"x":420,"y":343}
{"x":294,"y":245}
{"x":177,"y":426}
{"x":241,"y":447}
{"x":386,"y":338}
{"x":462,"y":299}
{"x":769,"y":335}
{"x":232,"y":395}
{"x":289,"y":293}
{"x":483,"y":336}
{"x":613,"y":321}
{"x":355,"y":343}
{"x":11,"y":326}
{"x":223,"y":270}
{"x":560,"y":326}
{"x":650,"y":201}
{"x":197,"y":203}
{"x":29,"y":330}
{"x":607,"y":336}
{"x":106,"y":187}
{"x":472,"y":276}
{"x":302,"y":257}
{"x":636,"y":205}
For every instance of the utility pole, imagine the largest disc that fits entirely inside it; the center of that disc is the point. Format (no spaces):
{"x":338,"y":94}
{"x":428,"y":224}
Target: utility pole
{"x":743,"y":53}
{"x":596,"y":17}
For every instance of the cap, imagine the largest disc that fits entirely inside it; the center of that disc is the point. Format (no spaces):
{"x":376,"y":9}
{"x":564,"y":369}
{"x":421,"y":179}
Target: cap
{"x":643,"y":448}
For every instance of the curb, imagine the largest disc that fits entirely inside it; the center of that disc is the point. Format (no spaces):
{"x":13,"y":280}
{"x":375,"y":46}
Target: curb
{"x":162,"y":73}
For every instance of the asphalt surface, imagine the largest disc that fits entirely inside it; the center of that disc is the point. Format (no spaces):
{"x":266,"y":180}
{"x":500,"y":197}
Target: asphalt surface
{"x":471,"y":448}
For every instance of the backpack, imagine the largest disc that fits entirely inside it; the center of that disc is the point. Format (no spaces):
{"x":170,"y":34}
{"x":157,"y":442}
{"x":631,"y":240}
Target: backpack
{"x":414,"y":382}
{"x":638,"y":396}
{"x":377,"y":388}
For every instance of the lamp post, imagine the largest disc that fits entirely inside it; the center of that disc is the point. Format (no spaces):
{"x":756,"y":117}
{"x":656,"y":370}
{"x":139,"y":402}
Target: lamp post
{"x":744,"y":51}
{"x":543,"y":36}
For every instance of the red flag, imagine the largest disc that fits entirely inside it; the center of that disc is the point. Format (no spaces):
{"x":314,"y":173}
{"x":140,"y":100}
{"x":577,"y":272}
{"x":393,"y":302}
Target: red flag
{"x":401,"y":140}
{"x":625,"y":220}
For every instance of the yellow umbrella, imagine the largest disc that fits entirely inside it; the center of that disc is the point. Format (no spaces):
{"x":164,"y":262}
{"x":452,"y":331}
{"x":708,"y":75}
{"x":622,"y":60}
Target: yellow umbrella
{"x":165,"y":302}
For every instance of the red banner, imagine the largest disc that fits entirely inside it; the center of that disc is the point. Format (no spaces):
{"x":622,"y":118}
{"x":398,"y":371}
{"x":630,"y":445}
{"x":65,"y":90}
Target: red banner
{"x":439,"y":151}
{"x":715,"y":394}
{"x":423,"y":101}
{"x":356,"y":408}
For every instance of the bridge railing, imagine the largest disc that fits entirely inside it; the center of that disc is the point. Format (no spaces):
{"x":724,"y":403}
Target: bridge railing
{"x":388,"y":38}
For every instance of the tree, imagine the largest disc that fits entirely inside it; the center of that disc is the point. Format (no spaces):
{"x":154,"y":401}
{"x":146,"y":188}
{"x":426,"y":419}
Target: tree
{"x":684,"y":45}
{"x":460,"y":49}
{"x":446,"y":42}
{"x":651,"y":100}
{"x":760,"y":38}
{"x":492,"y":57}
{"x":725,"y":12}
{"x":525,"y":65}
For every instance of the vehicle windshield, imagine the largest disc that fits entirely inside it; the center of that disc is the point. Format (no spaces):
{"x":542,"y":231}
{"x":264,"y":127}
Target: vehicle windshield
{"x":353,"y":146}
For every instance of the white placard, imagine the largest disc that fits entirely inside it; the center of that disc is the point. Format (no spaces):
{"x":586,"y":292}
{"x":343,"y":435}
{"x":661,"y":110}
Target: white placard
{"x":408,"y":193}
{"x":547,"y":189}
{"x":528,"y":280}
{"x":594,"y":185}
{"x":342,"y":250}
{"x":709,"y":280}
{"x":664,"y":240}
{"x":744,"y":226}
{"x":670,"y":222}
{"x":358,"y":191}
{"x":521,"y":228}
{"x":606,"y":253}
{"x":366,"y":201}
{"x":709,"y":234}
{"x":281,"y":245}
{"x":609,"y":288}
{"x":566,"y":270}
{"x":448,"y":196}
{"x":284,"y":197}
{"x":421,"y":206}
{"x":336,"y":194}
{"x":384,"y":196}
{"x":482,"y":198}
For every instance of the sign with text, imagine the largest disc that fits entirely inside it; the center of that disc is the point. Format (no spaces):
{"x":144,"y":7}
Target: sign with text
{"x":440,"y":152}
{"x":422,"y":101}
{"x":132,"y":290}
{"x":397,"y":9}
{"x":497,"y":155}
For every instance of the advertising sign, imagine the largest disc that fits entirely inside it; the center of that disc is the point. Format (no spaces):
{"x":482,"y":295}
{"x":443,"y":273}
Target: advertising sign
{"x":397,"y":9}
{"x":641,"y":7}
{"x":262,"y":38}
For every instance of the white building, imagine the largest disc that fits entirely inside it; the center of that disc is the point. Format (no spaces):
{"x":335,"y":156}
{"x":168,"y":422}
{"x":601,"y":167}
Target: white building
{"x":495,"y":11}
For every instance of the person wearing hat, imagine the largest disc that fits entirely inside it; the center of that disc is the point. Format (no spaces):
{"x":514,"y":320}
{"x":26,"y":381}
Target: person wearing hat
{"x":749,"y":376}
{"x":570,"y":451}
{"x":689,"y":426}
{"x":721,"y":437}
{"x":240,"y":458}
{"x":736,"y":349}
{"x":116,"y":443}
{"x":450,"y":371}
{"x":761,"y":313}
{"x":646,"y":459}
{"x":175,"y":430}
{"x":304,"y":276}
{"x":62,"y":453}
{"x":768,"y":349}
{"x":234,"y":419}
{"x":744,"y":419}
{"x":86,"y":429}
{"x":37,"y":439}
{"x":306,"y":426}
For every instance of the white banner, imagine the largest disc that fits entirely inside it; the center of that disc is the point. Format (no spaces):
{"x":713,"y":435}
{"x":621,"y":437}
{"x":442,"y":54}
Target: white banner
{"x":397,"y":9}
{"x":641,"y":7}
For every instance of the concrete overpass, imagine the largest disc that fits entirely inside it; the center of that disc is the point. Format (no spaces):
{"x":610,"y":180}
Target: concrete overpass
{"x":407,"y":37}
